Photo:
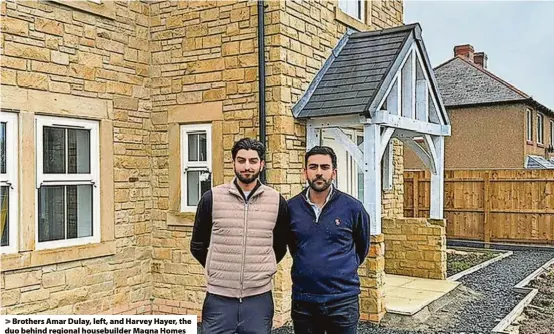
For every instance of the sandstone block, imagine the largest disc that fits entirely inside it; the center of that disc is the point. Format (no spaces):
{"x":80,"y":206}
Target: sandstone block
{"x":34,"y":296}
{"x":119,"y":88}
{"x":240,"y":14}
{"x":90,"y":59}
{"x":8,"y":77}
{"x":126,"y":103}
{"x":209,"y":14}
{"x":189,"y":97}
{"x":32,"y":80}
{"x":174,"y":21}
{"x":211,"y":41}
{"x":26,"y":51}
{"x":48,"y":26}
{"x":68,"y":297}
{"x":234,"y":74}
{"x":9,"y":297}
{"x":18,"y":280}
{"x":75,"y":277}
{"x":39,"y":66}
{"x":95,"y":86}
{"x":53,"y":279}
{"x":14,"y":26}
{"x":60,"y":57}
{"x":59,"y":87}
{"x":82,"y":72}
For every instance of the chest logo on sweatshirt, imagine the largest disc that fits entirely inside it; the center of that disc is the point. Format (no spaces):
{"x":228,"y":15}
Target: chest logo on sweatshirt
{"x":337,"y":221}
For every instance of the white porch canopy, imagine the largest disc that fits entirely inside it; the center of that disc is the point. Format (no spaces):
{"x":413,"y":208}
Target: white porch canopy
{"x":382,"y":84}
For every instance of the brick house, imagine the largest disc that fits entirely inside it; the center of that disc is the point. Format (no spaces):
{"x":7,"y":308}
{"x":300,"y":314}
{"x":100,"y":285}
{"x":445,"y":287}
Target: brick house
{"x":118,"y":115}
{"x":503,"y":126}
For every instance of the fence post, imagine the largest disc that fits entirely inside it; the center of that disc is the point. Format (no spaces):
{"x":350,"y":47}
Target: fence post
{"x":416,"y":194}
{"x":487,"y":209}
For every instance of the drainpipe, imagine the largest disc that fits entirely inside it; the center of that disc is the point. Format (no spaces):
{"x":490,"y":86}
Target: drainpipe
{"x":261,"y":77}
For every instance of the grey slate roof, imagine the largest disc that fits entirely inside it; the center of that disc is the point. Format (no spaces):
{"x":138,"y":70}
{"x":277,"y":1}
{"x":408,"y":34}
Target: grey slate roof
{"x":538,"y":162}
{"x":354,"y":73}
{"x":461,"y":82}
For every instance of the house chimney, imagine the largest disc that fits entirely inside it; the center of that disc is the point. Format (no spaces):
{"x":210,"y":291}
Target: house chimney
{"x":465,"y":51}
{"x":480,"y":59}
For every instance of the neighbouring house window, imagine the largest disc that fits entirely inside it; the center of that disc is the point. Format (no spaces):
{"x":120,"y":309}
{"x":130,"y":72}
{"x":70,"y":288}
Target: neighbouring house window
{"x":354,"y":8}
{"x":529,"y":124}
{"x":540,"y":129}
{"x":552,"y":133}
{"x":8,"y":182}
{"x":68,"y":193}
{"x":196,"y":164}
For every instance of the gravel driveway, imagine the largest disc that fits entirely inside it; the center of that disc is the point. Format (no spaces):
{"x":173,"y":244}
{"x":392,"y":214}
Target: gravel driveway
{"x":487,"y":297}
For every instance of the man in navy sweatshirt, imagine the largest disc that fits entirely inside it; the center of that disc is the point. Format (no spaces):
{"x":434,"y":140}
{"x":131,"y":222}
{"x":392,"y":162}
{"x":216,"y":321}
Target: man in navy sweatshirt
{"x":330,"y":239}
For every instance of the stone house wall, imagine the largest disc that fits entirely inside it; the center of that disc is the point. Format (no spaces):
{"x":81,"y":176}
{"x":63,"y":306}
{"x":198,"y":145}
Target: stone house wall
{"x":60,"y":60}
{"x":155,"y":66}
{"x":415,"y":247}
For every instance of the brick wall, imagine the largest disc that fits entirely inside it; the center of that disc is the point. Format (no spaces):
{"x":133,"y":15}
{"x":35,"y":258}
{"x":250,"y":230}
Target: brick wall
{"x":415,"y":247}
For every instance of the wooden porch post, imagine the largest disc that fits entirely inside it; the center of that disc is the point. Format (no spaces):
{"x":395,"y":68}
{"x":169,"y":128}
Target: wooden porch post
{"x":437,"y":181}
{"x":372,"y":176}
{"x":313,"y":137}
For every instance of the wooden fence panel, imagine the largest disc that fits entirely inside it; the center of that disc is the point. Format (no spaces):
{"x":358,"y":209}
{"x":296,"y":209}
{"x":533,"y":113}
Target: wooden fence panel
{"x":489,"y":205}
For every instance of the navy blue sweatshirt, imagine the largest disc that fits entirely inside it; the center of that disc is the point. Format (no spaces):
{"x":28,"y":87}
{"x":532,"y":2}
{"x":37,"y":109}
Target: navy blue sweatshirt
{"x":327,"y":253}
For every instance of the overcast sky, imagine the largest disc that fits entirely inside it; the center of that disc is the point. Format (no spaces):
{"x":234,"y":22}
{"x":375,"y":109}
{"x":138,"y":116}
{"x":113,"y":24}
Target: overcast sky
{"x":517,"y":36}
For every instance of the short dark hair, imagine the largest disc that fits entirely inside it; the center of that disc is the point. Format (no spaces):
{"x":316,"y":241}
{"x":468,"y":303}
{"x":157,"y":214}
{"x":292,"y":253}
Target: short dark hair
{"x":248,"y":144}
{"x":321,"y":150}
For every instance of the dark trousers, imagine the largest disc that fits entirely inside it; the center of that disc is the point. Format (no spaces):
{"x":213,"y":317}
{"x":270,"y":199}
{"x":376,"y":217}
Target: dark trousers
{"x":337,"y":317}
{"x":224,"y":315}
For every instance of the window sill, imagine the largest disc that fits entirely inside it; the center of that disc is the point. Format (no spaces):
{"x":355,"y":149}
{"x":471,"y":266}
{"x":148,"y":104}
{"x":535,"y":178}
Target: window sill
{"x":180,"y":220}
{"x":530,"y":142}
{"x":104,"y":9}
{"x":541,"y":145}
{"x":348,"y":20}
{"x":39,"y":258}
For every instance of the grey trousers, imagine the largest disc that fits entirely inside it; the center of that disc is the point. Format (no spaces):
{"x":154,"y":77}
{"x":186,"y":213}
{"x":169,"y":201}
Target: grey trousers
{"x":224,"y":315}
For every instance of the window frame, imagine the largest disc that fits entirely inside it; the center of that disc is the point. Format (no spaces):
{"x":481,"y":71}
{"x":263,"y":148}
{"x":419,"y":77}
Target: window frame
{"x":11,"y":180}
{"x":540,"y":128}
{"x":92,"y":178}
{"x":342,"y":4}
{"x":185,"y":130}
{"x":529,"y":125}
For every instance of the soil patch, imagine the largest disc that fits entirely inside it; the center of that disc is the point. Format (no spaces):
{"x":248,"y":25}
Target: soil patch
{"x":458,"y":260}
{"x":539,"y":315}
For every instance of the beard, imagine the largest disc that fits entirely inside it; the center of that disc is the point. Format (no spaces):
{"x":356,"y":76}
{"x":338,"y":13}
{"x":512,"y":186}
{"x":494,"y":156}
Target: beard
{"x":247,"y":180}
{"x":320,"y":187}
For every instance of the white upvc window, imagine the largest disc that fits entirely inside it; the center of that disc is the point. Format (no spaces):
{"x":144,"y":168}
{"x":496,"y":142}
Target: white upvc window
{"x":68,"y":187}
{"x":529,"y":125}
{"x":354,"y":8}
{"x":196,"y":164}
{"x":8,"y":182}
{"x":540,"y":128}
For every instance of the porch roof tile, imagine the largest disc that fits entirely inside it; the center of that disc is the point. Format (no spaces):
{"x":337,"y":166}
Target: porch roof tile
{"x":353,"y":74}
